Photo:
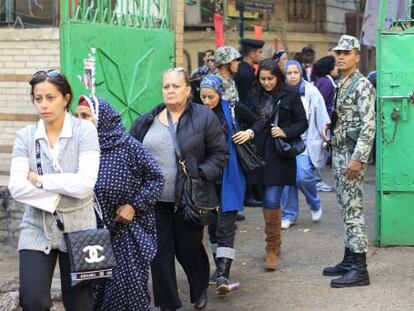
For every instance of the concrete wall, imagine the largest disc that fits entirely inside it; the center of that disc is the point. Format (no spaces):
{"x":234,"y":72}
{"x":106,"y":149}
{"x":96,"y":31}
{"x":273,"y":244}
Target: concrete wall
{"x":22,"y":52}
{"x":335,"y":14}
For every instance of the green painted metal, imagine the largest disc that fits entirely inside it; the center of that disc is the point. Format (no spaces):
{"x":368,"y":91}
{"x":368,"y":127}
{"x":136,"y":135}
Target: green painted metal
{"x":394,"y":214}
{"x":117,"y":49}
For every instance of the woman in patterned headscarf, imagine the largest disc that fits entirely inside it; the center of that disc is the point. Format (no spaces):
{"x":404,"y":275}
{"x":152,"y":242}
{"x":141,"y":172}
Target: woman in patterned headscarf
{"x":129,"y":183}
{"x":233,"y":184}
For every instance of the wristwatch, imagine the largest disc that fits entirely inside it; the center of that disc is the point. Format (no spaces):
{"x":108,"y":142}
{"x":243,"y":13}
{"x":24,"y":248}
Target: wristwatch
{"x":38,"y":183}
{"x":251,"y":132}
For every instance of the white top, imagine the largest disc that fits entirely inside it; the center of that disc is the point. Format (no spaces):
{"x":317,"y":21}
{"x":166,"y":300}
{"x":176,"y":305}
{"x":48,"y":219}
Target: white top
{"x":75,"y":185}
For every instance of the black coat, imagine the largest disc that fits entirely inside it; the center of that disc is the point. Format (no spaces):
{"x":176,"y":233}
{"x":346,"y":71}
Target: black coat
{"x":278,"y":171}
{"x":244,"y":79}
{"x":200,"y":139}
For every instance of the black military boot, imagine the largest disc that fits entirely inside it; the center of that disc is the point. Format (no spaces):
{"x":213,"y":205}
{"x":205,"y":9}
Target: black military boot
{"x":341,"y":268}
{"x":356,"y":276}
{"x":213,"y":276}
{"x":223,"y":272}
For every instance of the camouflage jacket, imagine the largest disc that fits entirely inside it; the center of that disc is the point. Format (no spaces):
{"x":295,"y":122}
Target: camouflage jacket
{"x":355,"y":108}
{"x":230,"y":90}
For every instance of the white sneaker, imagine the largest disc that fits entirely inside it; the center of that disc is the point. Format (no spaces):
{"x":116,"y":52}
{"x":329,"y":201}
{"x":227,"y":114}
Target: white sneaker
{"x":286,"y":223}
{"x":316,"y":216}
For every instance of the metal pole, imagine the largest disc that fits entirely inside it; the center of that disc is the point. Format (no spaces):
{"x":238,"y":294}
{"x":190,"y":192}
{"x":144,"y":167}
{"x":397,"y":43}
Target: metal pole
{"x":241,"y":22}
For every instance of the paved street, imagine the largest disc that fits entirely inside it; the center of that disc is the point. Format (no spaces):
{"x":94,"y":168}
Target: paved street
{"x":299,"y":284}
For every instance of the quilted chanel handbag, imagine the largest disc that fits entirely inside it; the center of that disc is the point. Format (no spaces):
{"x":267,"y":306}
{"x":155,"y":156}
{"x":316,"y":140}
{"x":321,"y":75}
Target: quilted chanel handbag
{"x":199,"y":202}
{"x":90,"y":251}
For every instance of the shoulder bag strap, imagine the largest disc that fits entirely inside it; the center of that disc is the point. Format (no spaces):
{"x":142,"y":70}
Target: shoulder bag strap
{"x":173,"y":134}
{"x":276,"y":110}
{"x":233,"y":117}
{"x":59,"y":222}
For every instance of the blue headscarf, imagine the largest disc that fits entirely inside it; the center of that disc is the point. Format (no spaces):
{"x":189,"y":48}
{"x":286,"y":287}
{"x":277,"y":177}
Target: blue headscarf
{"x":233,"y":184}
{"x":212,"y":82}
{"x":111,"y":132}
{"x":300,"y":87}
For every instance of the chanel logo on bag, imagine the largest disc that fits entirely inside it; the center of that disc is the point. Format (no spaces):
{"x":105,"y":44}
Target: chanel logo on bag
{"x":93,"y":253}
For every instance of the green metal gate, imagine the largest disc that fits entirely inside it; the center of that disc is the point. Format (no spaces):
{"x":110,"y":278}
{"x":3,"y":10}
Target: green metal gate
{"x":395,"y":127}
{"x":117,"y":49}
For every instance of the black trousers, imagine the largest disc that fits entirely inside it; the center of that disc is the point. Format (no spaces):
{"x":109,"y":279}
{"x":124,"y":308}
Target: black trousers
{"x":177,"y":239}
{"x":36,"y":274}
{"x":223,"y":230}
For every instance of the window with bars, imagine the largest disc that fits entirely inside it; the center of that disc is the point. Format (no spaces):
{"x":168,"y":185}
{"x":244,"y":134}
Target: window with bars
{"x":300,"y":10}
{"x":28,"y":13}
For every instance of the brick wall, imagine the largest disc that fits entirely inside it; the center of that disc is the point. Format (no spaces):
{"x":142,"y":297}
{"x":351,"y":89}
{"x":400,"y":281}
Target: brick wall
{"x":22,"y":52}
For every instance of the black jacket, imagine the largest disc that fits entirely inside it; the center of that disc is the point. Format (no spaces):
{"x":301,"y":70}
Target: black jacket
{"x":278,"y":171}
{"x":199,"y":136}
{"x":244,"y":79}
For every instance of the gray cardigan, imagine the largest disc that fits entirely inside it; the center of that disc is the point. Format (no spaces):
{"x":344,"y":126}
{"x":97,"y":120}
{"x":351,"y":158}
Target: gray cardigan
{"x":38,"y":228}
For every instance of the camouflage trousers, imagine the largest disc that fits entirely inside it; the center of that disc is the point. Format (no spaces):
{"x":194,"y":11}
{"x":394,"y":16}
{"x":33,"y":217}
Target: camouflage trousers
{"x":349,"y":196}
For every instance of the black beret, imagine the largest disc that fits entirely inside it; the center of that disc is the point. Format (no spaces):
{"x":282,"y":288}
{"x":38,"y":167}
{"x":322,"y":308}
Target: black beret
{"x":252,"y":43}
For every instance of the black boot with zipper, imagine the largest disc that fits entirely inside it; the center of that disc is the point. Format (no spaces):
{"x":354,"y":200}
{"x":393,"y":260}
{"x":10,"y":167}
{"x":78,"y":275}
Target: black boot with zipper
{"x":223,"y":272}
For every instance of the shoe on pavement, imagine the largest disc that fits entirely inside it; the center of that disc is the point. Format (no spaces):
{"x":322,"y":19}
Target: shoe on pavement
{"x":286,"y":223}
{"x":316,"y":216}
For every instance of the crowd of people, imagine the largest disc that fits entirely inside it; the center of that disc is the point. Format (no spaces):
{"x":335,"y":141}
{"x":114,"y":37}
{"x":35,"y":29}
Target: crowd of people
{"x":65,"y":163}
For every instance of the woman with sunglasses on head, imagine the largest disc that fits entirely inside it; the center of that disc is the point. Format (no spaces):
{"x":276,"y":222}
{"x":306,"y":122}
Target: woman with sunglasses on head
{"x":204,"y":151}
{"x":54,"y":168}
{"x":233,"y":184}
{"x":129,"y":183}
{"x":313,"y":157}
{"x":273,"y":96}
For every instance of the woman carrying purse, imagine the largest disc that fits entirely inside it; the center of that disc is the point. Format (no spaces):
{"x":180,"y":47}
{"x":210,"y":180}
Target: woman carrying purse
{"x":272,"y":96}
{"x":54,"y":169}
{"x":233,"y":184}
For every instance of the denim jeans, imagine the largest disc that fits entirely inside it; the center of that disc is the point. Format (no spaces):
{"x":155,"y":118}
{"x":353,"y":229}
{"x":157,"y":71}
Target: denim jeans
{"x":306,"y":179}
{"x":272,"y":196}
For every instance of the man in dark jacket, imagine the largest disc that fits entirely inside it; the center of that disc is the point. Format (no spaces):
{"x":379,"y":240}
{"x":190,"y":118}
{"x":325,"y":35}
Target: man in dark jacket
{"x":252,"y":52}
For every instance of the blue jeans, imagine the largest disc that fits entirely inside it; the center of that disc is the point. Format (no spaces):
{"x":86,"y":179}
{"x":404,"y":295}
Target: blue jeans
{"x":306,"y":179}
{"x":272,"y":196}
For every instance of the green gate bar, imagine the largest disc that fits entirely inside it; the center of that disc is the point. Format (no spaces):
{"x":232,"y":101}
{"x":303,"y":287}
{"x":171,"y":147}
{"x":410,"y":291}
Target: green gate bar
{"x":394,"y":213}
{"x":117,"y":49}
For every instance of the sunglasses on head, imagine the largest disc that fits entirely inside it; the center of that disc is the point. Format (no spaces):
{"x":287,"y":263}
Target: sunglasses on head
{"x":52,"y":73}
{"x":176,"y":69}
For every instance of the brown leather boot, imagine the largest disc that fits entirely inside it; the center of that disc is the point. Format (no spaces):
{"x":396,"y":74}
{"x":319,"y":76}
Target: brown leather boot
{"x":272,"y":230}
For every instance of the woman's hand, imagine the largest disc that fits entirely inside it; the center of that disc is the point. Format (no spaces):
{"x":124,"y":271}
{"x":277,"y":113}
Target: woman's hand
{"x":241,"y":137}
{"x":125,"y":213}
{"x":277,"y":132}
{"x":32,"y":177}
{"x":325,"y":133}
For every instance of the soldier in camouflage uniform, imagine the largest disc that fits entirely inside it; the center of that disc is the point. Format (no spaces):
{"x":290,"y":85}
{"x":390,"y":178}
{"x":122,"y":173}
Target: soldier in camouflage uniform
{"x":227,"y":60}
{"x":352,"y":139}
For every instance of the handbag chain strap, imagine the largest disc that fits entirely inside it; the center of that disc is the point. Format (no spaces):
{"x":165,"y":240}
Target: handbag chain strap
{"x":173,"y":133}
{"x":59,"y":222}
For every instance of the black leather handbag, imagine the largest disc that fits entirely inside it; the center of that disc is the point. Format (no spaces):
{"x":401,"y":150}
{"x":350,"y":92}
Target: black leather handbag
{"x":287,"y":148}
{"x":199,"y":202}
{"x":91,"y":256}
{"x":248,"y":156}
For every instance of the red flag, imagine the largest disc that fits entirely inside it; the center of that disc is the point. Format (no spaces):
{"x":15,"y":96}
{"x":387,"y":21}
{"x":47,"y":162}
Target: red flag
{"x":258,"y":32}
{"x":218,"y":29}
